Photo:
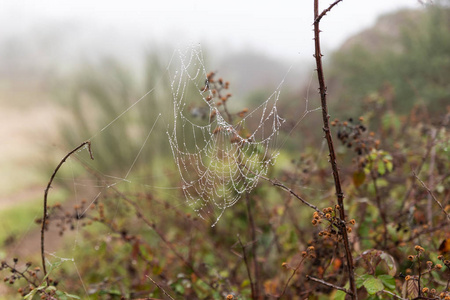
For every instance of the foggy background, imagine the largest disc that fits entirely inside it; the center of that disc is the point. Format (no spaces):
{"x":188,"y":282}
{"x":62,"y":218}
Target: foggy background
{"x":55,"y":32}
{"x":42,"y":44}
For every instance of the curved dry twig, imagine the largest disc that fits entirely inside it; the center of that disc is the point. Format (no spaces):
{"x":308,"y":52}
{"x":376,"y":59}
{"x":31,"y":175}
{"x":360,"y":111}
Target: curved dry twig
{"x":44,"y":217}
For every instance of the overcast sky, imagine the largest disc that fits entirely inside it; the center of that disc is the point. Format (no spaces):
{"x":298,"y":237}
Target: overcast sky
{"x":281,"y":27}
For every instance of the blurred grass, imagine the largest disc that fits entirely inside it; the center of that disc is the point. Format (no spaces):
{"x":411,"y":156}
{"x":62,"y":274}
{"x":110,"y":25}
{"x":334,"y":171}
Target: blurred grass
{"x":17,"y":220}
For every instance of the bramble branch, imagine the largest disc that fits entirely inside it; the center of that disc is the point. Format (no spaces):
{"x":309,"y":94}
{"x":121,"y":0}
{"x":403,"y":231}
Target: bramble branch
{"x":326,"y":128}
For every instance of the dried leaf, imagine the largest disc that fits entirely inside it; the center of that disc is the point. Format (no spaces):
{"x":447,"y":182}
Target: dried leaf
{"x":410,"y":288}
{"x":358,"y":178}
{"x":445,"y":246}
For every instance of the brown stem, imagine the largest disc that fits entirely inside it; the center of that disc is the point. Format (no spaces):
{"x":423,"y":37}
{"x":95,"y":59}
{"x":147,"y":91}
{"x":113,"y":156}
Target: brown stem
{"x":326,"y":129}
{"x":420,"y":274}
{"x":44,"y":217}
{"x":253,"y":247}
{"x":247,"y":266}
{"x":431,"y":179}
{"x":381,"y":209}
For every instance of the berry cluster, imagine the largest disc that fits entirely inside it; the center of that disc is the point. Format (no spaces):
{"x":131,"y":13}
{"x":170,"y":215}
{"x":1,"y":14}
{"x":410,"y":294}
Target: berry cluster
{"x":331,"y":215}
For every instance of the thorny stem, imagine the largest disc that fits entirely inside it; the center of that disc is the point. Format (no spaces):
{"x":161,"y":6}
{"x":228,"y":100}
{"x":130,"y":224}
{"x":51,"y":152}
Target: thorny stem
{"x":319,"y":17}
{"x":44,"y":217}
{"x":326,"y":129}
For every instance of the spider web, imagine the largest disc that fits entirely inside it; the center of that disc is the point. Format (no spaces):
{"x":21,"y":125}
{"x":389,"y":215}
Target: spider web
{"x":219,"y":157}
{"x":218,"y":160}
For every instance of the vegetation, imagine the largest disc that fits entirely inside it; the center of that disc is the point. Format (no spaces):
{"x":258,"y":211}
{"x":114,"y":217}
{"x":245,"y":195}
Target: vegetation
{"x":412,"y":61}
{"x":295,"y":236}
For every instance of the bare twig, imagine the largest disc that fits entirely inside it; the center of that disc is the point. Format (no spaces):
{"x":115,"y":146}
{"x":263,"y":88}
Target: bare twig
{"x":430,"y":146}
{"x":328,"y":137}
{"x":432,"y":195}
{"x":247,"y":266}
{"x":44,"y":217}
{"x":420,"y":274}
{"x":279,"y":184}
{"x":393,"y":295}
{"x":431,"y":179}
{"x":292,"y":275}
{"x":328,"y":284}
{"x":160,"y":287}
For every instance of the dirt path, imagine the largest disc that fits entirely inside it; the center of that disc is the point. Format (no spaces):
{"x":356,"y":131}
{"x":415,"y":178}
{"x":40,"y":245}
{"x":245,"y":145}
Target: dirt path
{"x":26,"y":135}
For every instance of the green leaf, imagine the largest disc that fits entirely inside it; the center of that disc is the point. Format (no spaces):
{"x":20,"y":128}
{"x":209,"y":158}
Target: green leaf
{"x":245,"y":283}
{"x":373,"y":285}
{"x":381,"y":168}
{"x":50,"y":288}
{"x":389,"y":166}
{"x":382,"y":182}
{"x":360,"y":280}
{"x":388,"y":281}
{"x":63,"y":295}
{"x":30,"y":294}
{"x":179,"y":289}
{"x":339,"y":295}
